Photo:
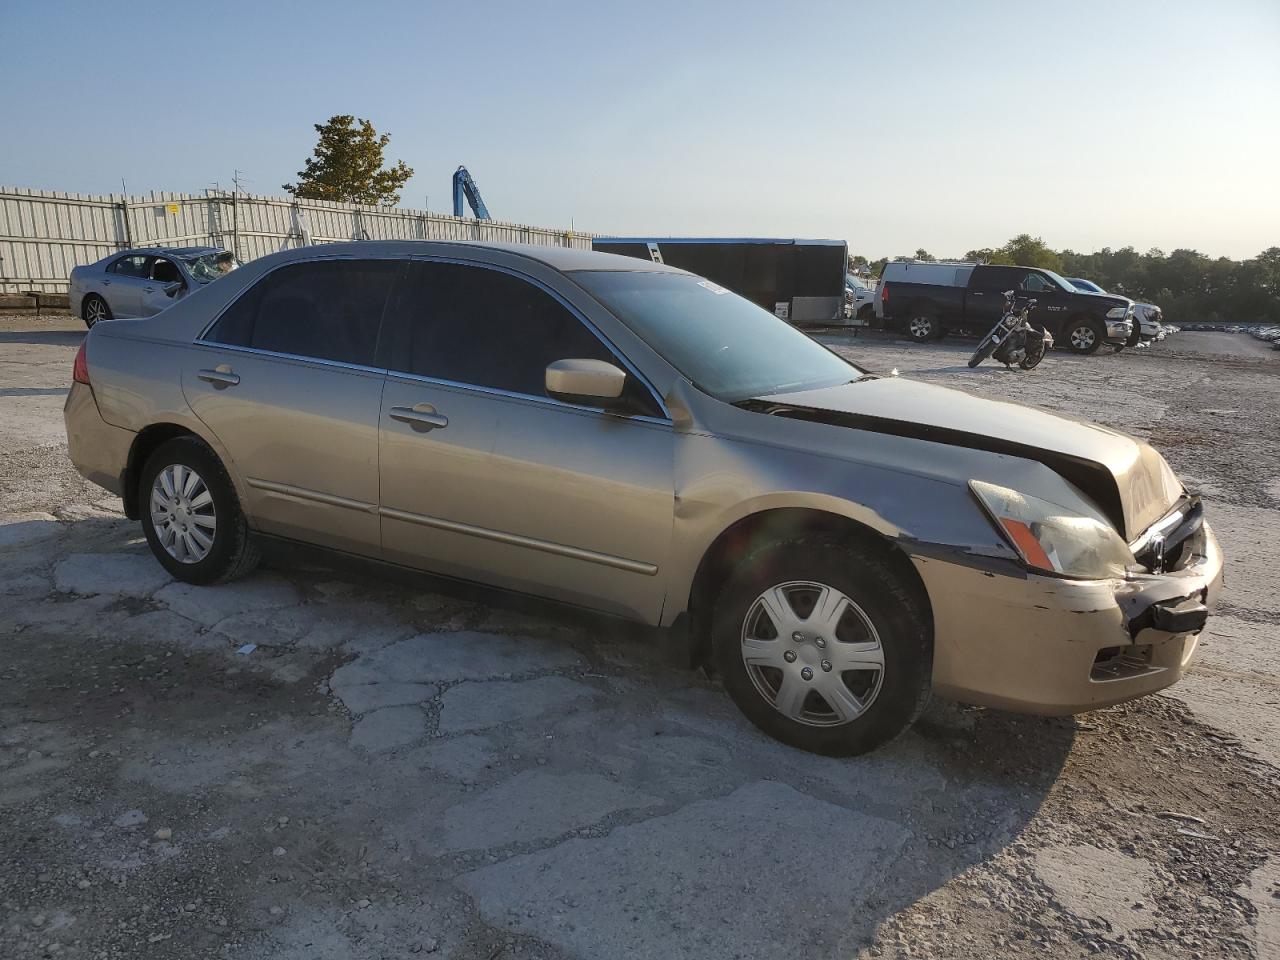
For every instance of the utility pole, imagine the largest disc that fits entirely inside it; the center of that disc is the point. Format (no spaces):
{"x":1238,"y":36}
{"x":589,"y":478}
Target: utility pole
{"x":237,"y":179}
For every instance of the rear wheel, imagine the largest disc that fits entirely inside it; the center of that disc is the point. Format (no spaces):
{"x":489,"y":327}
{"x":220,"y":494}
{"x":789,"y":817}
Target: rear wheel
{"x":191,"y":515}
{"x":922,"y":327}
{"x":823,"y":645}
{"x":1084,"y":335}
{"x":94,"y":309}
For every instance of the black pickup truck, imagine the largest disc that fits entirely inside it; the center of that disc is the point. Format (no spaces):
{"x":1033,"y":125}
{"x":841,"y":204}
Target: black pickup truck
{"x":925,"y":300}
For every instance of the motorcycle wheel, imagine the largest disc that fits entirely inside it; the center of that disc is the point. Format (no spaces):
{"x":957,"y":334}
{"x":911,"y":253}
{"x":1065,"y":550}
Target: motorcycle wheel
{"x":985,"y":349}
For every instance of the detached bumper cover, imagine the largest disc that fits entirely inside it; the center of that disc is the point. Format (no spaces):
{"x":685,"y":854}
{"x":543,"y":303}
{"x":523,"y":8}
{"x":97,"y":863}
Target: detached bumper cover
{"x":1044,"y":645}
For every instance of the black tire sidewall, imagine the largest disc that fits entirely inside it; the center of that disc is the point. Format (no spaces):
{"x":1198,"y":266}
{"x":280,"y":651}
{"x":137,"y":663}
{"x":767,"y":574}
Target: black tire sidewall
{"x":229,"y":530}
{"x":868,"y":579}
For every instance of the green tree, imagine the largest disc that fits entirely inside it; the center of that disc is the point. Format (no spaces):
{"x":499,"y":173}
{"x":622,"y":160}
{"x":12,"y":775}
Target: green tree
{"x":346,"y":166}
{"x":925,"y":256}
{"x":1025,"y":250}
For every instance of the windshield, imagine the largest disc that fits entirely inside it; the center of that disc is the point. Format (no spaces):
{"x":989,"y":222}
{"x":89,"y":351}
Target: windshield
{"x":1085,"y":285}
{"x":1063,"y":282}
{"x":727,"y":346}
{"x":211,"y":266}
{"x":853,"y":283}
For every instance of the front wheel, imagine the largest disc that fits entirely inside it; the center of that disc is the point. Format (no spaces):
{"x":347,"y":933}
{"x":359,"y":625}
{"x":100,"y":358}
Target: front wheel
{"x":191,"y":515}
{"x":823,"y":645}
{"x":985,"y":349}
{"x":1084,"y":336}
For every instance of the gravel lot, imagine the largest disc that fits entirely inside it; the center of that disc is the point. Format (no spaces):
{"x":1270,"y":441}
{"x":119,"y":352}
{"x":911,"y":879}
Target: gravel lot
{"x":401,"y":769}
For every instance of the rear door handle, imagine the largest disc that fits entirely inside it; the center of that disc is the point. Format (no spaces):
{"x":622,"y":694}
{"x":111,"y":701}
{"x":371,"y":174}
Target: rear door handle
{"x":421,"y":416}
{"x":221,"y":377}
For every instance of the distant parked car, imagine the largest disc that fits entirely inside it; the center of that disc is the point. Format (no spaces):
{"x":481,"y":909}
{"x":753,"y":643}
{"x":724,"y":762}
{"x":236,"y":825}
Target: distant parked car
{"x":1150,"y":317}
{"x":859,"y":299}
{"x":141,"y":283}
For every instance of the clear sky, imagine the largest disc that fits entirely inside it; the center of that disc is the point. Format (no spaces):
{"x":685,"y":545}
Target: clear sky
{"x":894,"y":125}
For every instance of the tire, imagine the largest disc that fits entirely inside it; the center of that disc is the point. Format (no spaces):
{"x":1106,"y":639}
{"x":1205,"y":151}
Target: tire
{"x":92,"y":309}
{"x":187,"y":519}
{"x":985,"y":349}
{"x":876,"y":704}
{"x":1083,"y":335}
{"x":922,"y":328}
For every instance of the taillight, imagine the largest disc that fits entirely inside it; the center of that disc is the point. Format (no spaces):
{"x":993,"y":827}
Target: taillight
{"x":80,"y":372}
{"x":884,"y":293}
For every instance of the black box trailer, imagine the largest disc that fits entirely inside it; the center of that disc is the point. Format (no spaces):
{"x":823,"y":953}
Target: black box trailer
{"x":801,"y":281}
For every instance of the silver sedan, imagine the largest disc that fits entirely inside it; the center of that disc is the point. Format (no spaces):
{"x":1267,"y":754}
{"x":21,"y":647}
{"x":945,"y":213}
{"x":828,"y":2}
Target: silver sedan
{"x":141,"y":283}
{"x":621,"y":435}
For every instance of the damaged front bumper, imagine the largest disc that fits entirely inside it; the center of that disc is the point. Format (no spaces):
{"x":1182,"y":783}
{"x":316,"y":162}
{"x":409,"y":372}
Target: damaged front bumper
{"x":1036,"y":644}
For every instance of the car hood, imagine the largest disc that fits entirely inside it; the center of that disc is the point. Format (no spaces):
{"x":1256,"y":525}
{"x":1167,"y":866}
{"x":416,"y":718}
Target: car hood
{"x":1126,"y":477}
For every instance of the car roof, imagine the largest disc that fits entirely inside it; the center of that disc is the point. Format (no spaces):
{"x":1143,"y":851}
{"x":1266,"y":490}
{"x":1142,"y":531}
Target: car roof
{"x":171,"y":251}
{"x":564,"y":259}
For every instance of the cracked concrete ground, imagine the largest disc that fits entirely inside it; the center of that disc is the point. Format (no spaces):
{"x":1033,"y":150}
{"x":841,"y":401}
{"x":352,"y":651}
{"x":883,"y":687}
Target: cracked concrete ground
{"x":396,"y":768}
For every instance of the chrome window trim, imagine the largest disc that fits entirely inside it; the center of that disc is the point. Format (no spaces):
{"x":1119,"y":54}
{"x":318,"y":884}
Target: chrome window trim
{"x":341,"y":364}
{"x":429,"y":258}
{"x":527,"y":397}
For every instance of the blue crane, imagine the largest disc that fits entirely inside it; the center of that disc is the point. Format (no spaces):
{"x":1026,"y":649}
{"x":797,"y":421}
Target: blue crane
{"x":464,"y":186}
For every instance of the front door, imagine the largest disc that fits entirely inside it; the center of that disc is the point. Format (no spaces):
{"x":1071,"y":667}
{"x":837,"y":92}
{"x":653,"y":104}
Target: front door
{"x":286,"y":380}
{"x":485,"y":477}
{"x":1052,"y":302}
{"x":166,"y":287}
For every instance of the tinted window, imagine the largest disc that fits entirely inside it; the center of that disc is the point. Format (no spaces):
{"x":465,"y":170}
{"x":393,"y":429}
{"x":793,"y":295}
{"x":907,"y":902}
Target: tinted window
{"x":729,"y":347}
{"x":996,"y":278}
{"x":478,"y":326}
{"x":132,"y":266}
{"x":1034,"y":283}
{"x":328,"y":309}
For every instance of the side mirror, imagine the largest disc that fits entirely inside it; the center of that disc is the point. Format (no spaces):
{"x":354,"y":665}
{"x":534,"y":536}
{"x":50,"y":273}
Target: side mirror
{"x":590,"y":382}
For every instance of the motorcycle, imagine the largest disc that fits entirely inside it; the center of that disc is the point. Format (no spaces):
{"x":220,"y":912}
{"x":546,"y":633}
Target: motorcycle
{"x":1013,"y":340}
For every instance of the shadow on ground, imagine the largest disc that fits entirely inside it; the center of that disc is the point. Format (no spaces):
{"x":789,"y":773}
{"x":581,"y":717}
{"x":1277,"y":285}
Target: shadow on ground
{"x":398,"y":763}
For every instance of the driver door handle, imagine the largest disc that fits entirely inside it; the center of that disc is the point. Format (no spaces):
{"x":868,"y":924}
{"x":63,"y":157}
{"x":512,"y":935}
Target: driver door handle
{"x":221,"y":377}
{"x":421,"y":416}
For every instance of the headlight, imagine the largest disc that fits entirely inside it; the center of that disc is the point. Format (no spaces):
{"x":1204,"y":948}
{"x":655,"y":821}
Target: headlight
{"x":1117,"y":313}
{"x":1053,"y":539}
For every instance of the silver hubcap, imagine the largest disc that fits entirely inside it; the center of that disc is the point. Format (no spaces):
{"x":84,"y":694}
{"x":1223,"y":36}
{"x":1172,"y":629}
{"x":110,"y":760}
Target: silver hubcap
{"x":1082,"y":337}
{"x":920,"y":327}
{"x":812,"y":653}
{"x":182,"y":513}
{"x":96,"y":310}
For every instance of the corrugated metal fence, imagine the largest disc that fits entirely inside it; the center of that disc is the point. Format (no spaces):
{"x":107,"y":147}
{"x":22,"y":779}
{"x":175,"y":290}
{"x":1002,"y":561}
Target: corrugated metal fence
{"x":43,"y":233}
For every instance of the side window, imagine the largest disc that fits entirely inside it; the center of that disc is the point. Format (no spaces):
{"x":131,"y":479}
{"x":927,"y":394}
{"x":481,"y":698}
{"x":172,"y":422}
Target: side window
{"x":131,"y":266}
{"x":487,"y":328}
{"x":1034,"y":283}
{"x":327,"y":309}
{"x":164,"y":271}
{"x":995,"y":278}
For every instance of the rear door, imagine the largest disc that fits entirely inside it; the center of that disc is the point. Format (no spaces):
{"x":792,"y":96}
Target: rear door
{"x":485,"y":477}
{"x":122,"y":285}
{"x":287,"y":380}
{"x":984,"y":298}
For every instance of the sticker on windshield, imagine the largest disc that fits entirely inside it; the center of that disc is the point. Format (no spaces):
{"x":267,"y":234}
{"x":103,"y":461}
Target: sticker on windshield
{"x":713,"y":287}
